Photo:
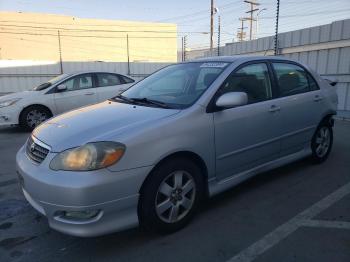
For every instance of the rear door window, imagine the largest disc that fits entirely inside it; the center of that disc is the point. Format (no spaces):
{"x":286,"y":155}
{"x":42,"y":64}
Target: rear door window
{"x":293,"y":79}
{"x":104,"y":79}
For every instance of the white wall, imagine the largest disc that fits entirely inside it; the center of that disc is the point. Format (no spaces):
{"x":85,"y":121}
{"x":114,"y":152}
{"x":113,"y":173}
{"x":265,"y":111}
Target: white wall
{"x":24,"y":75}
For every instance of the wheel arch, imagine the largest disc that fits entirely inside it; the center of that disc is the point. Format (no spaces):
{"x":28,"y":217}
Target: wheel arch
{"x":195,"y":158}
{"x":327,"y":118}
{"x":34,"y":105}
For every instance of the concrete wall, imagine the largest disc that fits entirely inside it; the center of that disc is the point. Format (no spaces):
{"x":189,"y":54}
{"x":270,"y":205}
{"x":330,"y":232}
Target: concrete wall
{"x":324,"y":48}
{"x":24,"y":75}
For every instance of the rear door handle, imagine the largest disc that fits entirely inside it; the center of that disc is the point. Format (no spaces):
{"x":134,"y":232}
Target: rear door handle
{"x":318,"y":98}
{"x":274,"y":108}
{"x":89,"y":94}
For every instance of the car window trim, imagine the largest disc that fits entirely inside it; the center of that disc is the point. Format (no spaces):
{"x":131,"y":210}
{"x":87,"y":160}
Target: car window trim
{"x":308,"y":74}
{"x":211,"y":107}
{"x":78,"y":75}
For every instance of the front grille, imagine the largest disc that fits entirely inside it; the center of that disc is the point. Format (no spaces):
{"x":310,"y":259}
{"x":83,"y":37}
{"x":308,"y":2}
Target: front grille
{"x":36,"y":152}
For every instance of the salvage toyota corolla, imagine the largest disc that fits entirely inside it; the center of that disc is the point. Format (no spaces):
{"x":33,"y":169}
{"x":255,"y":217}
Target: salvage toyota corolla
{"x":150,"y":155}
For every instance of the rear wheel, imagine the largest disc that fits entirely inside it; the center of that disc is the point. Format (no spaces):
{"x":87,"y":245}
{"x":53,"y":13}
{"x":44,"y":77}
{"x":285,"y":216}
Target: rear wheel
{"x":171,"y":196}
{"x":33,"y":116}
{"x":322,"y":142}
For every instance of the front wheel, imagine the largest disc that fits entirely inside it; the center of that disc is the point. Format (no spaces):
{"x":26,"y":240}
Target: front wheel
{"x":322,"y":142}
{"x":33,"y":116}
{"x":171,"y":196}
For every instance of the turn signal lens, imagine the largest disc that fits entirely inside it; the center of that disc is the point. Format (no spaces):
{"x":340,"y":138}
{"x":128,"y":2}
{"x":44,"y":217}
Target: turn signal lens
{"x":112,"y":157}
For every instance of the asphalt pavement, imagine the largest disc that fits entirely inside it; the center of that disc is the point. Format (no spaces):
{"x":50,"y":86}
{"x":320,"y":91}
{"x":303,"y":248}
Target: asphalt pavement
{"x":300,"y":212}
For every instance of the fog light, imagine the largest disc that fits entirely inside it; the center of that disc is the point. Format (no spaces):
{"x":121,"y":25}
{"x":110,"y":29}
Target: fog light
{"x":5,"y":118}
{"x":80,"y":215}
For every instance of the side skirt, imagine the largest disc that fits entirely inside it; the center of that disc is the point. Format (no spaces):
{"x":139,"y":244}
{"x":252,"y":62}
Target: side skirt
{"x":216,"y":187}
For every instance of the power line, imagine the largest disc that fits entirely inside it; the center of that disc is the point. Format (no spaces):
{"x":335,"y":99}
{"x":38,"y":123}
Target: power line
{"x":140,"y":24}
{"x":88,"y":36}
{"x":309,"y":14}
{"x":95,"y":48}
{"x":96,"y":30}
{"x":197,"y":13}
{"x":253,"y":5}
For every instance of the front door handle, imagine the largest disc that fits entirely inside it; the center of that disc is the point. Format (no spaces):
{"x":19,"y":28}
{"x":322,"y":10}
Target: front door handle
{"x":274,"y":108}
{"x":89,"y":94}
{"x":318,"y":98}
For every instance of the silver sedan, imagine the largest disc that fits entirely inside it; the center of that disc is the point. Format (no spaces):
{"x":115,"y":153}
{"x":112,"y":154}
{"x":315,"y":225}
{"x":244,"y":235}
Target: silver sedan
{"x":189,"y":131}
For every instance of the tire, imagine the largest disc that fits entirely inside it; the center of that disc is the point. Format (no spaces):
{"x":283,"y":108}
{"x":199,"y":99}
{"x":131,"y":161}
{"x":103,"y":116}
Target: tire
{"x":322,"y":141}
{"x":33,"y":116}
{"x":161,"y":199}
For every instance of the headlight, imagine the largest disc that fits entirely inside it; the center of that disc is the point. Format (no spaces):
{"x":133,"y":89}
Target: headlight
{"x":9,"y":102}
{"x":91,"y":156}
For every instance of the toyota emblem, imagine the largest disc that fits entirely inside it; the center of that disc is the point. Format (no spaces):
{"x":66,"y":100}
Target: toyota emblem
{"x":32,"y":147}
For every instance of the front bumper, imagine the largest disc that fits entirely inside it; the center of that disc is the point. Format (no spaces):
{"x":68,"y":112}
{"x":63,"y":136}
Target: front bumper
{"x":9,"y":115}
{"x":113,"y":194}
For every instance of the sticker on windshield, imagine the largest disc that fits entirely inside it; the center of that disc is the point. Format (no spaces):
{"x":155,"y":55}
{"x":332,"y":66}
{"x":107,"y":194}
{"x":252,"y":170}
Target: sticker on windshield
{"x":214,"y":64}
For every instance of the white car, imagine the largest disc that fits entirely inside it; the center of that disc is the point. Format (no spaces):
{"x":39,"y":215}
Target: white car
{"x":60,"y":94}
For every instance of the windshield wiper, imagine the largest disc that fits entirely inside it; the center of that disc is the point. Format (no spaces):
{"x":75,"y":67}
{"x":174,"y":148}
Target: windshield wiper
{"x":145,"y":100}
{"x":124,"y":98}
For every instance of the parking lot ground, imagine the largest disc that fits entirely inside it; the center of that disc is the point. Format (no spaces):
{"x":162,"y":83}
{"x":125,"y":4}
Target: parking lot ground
{"x":299,"y":212}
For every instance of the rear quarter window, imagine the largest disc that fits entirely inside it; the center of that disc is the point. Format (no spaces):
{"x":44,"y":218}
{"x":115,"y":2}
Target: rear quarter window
{"x":127,"y":80}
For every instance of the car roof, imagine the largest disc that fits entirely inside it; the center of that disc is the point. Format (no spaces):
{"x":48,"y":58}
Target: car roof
{"x":238,"y":58}
{"x":94,"y":72}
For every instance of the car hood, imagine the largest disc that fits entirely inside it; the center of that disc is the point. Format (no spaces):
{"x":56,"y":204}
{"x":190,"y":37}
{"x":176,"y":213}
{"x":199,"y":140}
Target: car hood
{"x":22,"y":94}
{"x":99,"y":122}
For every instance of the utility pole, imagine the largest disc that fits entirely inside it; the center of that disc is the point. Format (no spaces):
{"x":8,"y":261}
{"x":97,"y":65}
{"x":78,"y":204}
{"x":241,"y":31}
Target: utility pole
{"x":184,"y":47}
{"x":211,"y":24}
{"x":219,"y":34}
{"x":60,"y":50}
{"x":276,"y":34}
{"x":127,"y":52}
{"x":241,"y":33}
{"x":253,"y":4}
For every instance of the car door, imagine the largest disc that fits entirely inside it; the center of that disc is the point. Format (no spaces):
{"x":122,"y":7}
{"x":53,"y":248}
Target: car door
{"x":247,"y":136}
{"x":300,"y":100}
{"x":110,"y":85}
{"x":80,"y":91}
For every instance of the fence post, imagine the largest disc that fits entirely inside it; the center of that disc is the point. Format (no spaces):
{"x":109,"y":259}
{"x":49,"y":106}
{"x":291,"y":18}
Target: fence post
{"x":60,"y":50}
{"x":127,"y":50}
{"x":276,"y":33}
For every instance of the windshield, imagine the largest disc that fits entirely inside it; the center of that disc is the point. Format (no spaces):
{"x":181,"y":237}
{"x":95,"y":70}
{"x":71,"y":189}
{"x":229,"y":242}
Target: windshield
{"x":50,"y":82}
{"x":177,"y":86}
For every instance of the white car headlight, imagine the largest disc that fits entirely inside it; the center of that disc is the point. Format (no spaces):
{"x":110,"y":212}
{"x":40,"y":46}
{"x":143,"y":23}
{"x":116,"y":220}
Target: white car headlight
{"x":9,"y":102}
{"x":91,"y":156}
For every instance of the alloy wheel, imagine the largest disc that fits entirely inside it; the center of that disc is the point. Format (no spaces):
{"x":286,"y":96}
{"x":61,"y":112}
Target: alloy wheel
{"x":322,"y":141}
{"x":175,"y":196}
{"x":36,"y":117}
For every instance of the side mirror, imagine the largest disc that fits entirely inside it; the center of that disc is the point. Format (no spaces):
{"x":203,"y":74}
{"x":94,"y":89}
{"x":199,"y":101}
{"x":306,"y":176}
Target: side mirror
{"x":232,"y":99}
{"x":332,"y":82}
{"x":61,"y":87}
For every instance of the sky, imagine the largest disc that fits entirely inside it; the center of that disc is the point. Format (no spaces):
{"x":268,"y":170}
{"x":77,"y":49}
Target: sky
{"x":193,"y":17}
